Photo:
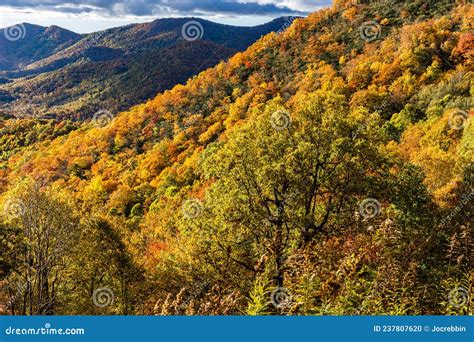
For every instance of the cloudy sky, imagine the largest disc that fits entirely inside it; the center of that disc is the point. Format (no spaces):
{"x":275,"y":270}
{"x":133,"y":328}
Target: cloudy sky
{"x":94,"y":15}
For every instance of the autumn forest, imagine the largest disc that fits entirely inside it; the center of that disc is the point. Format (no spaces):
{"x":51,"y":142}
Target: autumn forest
{"x":325,"y":168}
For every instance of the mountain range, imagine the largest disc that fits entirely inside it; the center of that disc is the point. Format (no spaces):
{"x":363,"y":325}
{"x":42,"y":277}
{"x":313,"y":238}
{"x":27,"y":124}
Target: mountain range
{"x":53,"y":72}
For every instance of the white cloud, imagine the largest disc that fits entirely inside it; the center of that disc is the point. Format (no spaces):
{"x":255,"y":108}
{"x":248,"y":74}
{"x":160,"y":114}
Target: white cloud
{"x":93,"y":15}
{"x":297,"y":5}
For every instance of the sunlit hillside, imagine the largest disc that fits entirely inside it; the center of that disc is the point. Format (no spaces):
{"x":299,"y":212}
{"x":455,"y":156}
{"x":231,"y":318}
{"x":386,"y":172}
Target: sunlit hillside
{"x":326,"y":170}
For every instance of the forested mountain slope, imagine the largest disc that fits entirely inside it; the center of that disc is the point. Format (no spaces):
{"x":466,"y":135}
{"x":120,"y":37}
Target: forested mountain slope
{"x":115,"y":68}
{"x":325,"y":170}
{"x":25,"y":44}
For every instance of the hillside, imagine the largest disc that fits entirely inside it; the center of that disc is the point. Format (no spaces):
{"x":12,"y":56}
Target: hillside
{"x":116,"y":68}
{"x":25,"y":44}
{"x":325,"y":170}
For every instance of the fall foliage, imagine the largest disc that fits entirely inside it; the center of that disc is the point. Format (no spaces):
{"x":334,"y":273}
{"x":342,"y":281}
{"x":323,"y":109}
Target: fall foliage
{"x":318,"y":162}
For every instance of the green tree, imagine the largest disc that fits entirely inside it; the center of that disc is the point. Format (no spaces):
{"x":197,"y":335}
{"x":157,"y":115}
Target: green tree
{"x":284,"y":179}
{"x":103,"y":264}
{"x":42,"y":228}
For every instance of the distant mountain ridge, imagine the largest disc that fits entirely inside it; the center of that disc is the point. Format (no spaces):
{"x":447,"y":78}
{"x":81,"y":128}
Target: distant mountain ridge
{"x":25,"y":43}
{"x":72,"y":75}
